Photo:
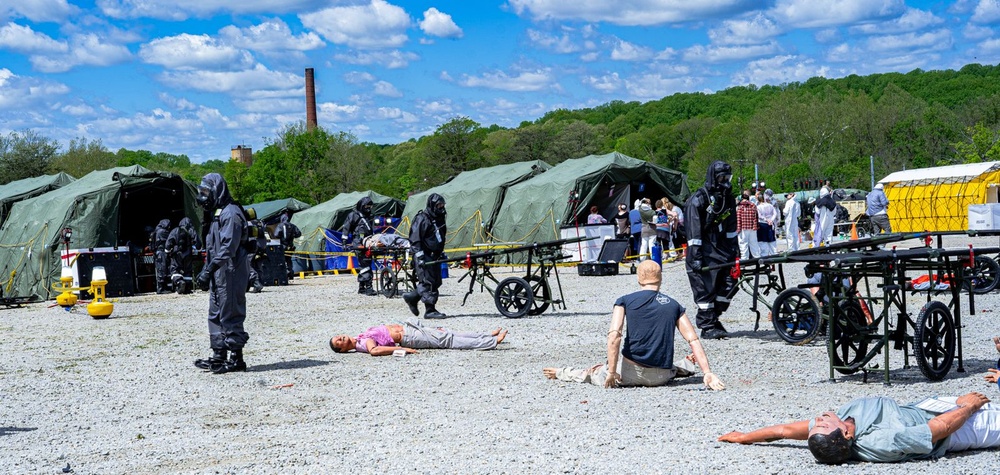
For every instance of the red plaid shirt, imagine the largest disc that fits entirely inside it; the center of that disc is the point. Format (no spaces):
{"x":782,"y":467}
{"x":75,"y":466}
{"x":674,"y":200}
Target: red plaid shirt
{"x":746,"y":216}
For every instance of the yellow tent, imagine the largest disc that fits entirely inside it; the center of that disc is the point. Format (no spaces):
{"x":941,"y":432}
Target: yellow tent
{"x":938,"y":198}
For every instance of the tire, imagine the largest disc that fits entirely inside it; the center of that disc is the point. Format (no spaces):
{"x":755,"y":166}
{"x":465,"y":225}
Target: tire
{"x":541,"y":295}
{"x":864,"y":226}
{"x":388,"y":282}
{"x":983,"y":275}
{"x":934,"y":340}
{"x":513,"y":297}
{"x":796,"y":316}
{"x":850,"y":346}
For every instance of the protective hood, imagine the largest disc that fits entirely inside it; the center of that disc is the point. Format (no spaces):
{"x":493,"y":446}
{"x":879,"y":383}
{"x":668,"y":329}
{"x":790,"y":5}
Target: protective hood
{"x":217,"y":191}
{"x":163,"y":224}
{"x":186,"y":223}
{"x":364,"y":206}
{"x":435,"y":206}
{"x":284,"y":218}
{"x":714,"y":177}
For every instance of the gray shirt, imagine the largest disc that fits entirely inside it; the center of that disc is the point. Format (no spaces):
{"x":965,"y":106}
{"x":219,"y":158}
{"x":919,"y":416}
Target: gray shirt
{"x":877,"y":203}
{"x":888,"y":432}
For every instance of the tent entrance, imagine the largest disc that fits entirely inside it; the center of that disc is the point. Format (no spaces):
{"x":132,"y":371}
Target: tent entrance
{"x":140,"y":209}
{"x":610,"y":195}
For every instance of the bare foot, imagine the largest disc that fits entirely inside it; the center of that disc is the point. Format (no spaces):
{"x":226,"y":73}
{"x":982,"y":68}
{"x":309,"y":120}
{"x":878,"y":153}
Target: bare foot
{"x":549,"y":372}
{"x":501,"y":336}
{"x":996,"y":341}
{"x":497,"y":331}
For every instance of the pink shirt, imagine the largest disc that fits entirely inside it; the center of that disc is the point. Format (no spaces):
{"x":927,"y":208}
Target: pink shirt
{"x":380,"y":335}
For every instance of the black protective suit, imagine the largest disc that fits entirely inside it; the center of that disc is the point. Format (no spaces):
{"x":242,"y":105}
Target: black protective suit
{"x":427,"y":237}
{"x":180,"y":248}
{"x":358,"y":226}
{"x":161,"y":259}
{"x":710,"y":224}
{"x":226,"y":274}
{"x":256,"y":258}
{"x":286,"y":232}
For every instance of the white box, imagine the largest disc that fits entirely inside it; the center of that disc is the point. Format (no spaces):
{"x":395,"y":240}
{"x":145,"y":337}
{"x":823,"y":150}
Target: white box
{"x":985,"y":217}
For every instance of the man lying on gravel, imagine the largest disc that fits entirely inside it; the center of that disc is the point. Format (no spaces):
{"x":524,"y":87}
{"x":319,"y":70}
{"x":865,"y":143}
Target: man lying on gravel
{"x":411,"y":335}
{"x":877,"y":429}
{"x":647,"y":358}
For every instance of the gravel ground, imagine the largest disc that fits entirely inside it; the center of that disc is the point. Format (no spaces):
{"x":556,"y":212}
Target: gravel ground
{"x":121,"y":395}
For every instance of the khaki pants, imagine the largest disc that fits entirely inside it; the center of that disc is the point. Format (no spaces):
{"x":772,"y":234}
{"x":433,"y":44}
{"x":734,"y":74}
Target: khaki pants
{"x":631,"y":373}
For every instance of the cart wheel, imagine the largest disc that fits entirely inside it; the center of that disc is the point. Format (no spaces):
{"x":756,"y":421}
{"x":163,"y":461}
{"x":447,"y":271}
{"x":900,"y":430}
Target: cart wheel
{"x":541,"y":293}
{"x":513,"y":297}
{"x":388,"y":282}
{"x":934,"y":340}
{"x":850,"y":344}
{"x":983,"y":276}
{"x":796,"y":316}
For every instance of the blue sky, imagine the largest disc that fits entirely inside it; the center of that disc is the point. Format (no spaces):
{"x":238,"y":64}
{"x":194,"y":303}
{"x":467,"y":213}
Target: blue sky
{"x":197,"y":77}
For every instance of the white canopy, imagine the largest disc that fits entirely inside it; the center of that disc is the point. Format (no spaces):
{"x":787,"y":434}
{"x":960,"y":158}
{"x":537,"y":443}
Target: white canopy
{"x":939,"y":175}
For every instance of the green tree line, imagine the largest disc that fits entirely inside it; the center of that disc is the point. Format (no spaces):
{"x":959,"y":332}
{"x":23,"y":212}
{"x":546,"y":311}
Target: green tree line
{"x":827,"y":129}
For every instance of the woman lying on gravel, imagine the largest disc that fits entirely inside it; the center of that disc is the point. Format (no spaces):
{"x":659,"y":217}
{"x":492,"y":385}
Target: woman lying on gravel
{"x":411,"y":335}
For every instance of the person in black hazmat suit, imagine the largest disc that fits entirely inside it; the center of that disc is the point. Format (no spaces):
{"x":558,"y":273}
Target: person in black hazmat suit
{"x":359,"y":226}
{"x":225,"y":276}
{"x":427,"y":237}
{"x":286,"y":232}
{"x":180,"y":248}
{"x":256,"y":256}
{"x":710,"y":223}
{"x":161,"y":259}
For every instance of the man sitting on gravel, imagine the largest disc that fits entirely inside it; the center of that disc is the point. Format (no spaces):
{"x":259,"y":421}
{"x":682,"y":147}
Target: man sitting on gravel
{"x":647,"y":358}
{"x":877,"y":429}
{"x":411,"y":335}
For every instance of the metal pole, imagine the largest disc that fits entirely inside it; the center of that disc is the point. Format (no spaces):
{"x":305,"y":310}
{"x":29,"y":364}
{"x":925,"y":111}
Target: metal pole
{"x":871,"y":167}
{"x":756,"y":179}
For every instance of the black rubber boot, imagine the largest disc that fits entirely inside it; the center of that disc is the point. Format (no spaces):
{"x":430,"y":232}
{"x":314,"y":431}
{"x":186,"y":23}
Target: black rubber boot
{"x":411,"y":299}
{"x":432,"y":312}
{"x":233,"y":364}
{"x":218,"y":357}
{"x":369,"y":290}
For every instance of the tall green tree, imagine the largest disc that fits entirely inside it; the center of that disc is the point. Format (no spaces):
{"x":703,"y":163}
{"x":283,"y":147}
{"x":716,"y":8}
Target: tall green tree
{"x":25,"y":154}
{"x":84,"y":157}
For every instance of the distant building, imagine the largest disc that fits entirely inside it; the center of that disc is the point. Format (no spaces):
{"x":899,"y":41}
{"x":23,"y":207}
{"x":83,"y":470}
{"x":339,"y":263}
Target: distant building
{"x":242,"y":154}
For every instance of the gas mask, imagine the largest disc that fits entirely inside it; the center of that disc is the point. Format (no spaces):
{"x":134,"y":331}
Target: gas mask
{"x":206,"y":198}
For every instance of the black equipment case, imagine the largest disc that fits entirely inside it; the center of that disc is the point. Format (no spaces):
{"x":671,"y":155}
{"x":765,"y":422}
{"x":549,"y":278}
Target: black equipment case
{"x":612,"y":253}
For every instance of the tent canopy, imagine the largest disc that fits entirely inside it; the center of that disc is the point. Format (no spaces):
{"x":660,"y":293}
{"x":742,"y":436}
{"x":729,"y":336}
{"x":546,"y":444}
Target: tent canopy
{"x":28,"y":188}
{"x":105,"y":208}
{"x":331,"y":214}
{"x":268,"y":211}
{"x":535,"y":209}
{"x":938,"y":198}
{"x":473,"y":199}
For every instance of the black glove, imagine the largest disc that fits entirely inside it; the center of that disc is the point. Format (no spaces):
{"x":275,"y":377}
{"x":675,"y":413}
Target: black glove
{"x":205,"y":277}
{"x":694,"y":258}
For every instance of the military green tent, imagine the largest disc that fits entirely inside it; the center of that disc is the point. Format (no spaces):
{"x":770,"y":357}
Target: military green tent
{"x":331,"y":214}
{"x":105,"y":208}
{"x":269,"y":211}
{"x":535,"y":209}
{"x":473,"y":199}
{"x":21,"y":190}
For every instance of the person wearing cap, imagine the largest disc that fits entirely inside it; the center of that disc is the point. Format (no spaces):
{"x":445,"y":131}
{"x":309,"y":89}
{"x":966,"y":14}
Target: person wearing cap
{"x":792,"y":212}
{"x":647,"y":357}
{"x":878,"y":209}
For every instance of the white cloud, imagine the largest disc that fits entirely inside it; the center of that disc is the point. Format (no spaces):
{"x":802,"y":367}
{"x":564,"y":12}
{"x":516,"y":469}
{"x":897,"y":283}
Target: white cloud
{"x":38,"y":10}
{"x":376,"y":25}
{"x":828,"y":35}
{"x":77,"y":110}
{"x":930,"y":41}
{"x":780,"y":70}
{"x":558,"y":44}
{"x":823,"y":13}
{"x":991,"y":45}
{"x":333,"y":112}
{"x":590,"y":57}
{"x":655,"y":86}
{"x":358,"y":77}
{"x":911,"y":20}
{"x":17,"y":92}
{"x":394,"y":59}
{"x":630,"y":12}
{"x":383,"y":88}
{"x":525,"y":81}
{"x":271,"y":105}
{"x":625,"y":51}
{"x":24,"y":40}
{"x":436,"y":107}
{"x":188,"y":52}
{"x":754,"y":30}
{"x":974,"y":32}
{"x":721,"y":54}
{"x":987,"y":11}
{"x":607,"y":83}
{"x":270,"y":36}
{"x":439,"y":24}
{"x":86,"y":49}
{"x":184,"y":9}
{"x":177,"y":103}
{"x":256,"y":80}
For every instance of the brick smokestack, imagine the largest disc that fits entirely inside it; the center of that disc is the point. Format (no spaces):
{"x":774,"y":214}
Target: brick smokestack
{"x":310,"y":100}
